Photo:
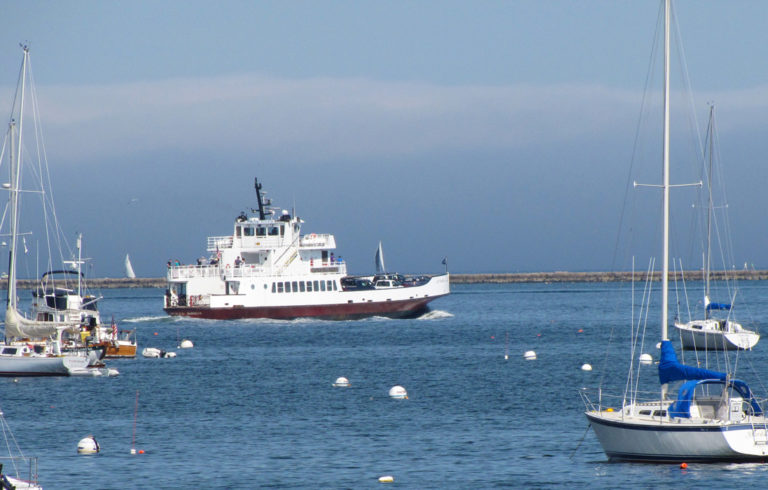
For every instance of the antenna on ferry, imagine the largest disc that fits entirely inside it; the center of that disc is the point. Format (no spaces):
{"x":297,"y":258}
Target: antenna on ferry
{"x":257,"y":186}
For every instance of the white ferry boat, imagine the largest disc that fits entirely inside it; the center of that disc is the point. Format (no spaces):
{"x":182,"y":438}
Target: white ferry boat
{"x":268,"y":269}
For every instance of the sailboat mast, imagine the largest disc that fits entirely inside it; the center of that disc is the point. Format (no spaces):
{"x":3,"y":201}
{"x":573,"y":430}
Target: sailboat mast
{"x":665,"y":185}
{"x":16,"y":154}
{"x":79,"y":263}
{"x":709,"y":211}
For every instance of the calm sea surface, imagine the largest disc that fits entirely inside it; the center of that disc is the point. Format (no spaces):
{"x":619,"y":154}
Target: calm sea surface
{"x":251,"y":405}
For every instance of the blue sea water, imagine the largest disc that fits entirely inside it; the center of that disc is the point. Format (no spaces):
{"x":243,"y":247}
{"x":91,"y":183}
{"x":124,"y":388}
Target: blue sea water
{"x":252,"y":406}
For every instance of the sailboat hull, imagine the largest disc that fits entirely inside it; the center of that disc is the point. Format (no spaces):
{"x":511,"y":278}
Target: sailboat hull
{"x":705,"y":335}
{"x":40,"y":366}
{"x":647,"y":440}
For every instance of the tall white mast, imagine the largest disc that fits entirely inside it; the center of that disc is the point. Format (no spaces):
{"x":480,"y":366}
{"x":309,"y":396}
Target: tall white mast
{"x":16,"y":155}
{"x":665,"y":185}
{"x":709,"y":210}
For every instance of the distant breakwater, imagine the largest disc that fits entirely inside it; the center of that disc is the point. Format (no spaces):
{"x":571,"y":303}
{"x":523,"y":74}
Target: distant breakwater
{"x":623,"y":276}
{"x":496,"y":278}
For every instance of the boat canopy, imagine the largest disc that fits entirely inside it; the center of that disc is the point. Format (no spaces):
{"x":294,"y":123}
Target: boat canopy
{"x":670,"y":369}
{"x":681,"y":408}
{"x":718,"y":306}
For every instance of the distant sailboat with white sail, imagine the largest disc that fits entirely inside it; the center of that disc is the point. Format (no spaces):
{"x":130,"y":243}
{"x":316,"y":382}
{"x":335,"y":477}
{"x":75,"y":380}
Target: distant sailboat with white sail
{"x":380,"y":268}
{"x":129,"y":268}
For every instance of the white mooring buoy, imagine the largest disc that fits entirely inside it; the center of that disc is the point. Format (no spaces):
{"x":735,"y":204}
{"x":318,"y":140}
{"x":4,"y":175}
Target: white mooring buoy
{"x":341,"y":382}
{"x":186,"y":344}
{"x":586,"y":367}
{"x":530,"y":355}
{"x":386,"y":479}
{"x":398,"y":393}
{"x":646,"y":359}
{"x":88,"y":445}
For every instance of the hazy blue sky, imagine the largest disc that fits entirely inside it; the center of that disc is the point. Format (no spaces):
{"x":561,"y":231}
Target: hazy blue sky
{"x":497,"y":133}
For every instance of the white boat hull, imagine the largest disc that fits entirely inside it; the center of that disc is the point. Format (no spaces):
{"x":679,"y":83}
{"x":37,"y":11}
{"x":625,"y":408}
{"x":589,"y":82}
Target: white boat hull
{"x":41,"y":365}
{"x":701,"y":335}
{"x":258,"y":302}
{"x":683,"y":440}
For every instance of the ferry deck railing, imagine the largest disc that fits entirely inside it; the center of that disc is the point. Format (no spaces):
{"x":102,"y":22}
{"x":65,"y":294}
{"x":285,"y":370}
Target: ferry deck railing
{"x":178,"y":272}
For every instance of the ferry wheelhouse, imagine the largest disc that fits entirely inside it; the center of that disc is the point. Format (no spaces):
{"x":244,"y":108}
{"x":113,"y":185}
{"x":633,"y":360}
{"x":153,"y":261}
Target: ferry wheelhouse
{"x":268,"y":269}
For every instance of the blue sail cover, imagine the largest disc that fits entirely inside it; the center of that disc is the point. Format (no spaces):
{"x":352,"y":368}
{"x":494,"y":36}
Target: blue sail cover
{"x":670,"y":369}
{"x":682,"y":406}
{"x":718,"y":306}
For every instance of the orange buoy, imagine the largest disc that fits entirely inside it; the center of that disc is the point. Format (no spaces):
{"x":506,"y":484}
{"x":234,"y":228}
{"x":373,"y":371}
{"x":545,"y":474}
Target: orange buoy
{"x":683,"y":465}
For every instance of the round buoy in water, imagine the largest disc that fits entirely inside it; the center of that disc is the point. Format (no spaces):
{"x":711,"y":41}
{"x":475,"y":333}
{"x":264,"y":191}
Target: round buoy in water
{"x":386,"y":479}
{"x":398,"y":392}
{"x":88,"y":445}
{"x":341,"y":382}
{"x":530,"y":355}
{"x":646,"y":359}
{"x":186,"y":344}
{"x":167,"y":355}
{"x":586,"y":367}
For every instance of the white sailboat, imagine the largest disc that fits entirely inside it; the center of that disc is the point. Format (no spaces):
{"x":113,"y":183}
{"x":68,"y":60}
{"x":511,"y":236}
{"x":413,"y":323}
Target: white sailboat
{"x":713,"y":417}
{"x":129,"y":268}
{"x":18,"y":355}
{"x":379,"y":259}
{"x":712,"y":333}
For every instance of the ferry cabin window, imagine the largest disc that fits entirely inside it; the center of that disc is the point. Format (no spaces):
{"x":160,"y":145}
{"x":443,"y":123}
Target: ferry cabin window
{"x":287,"y":287}
{"x":273,"y":231}
{"x":237,"y":231}
{"x":330,"y":285}
{"x":295,"y":287}
{"x":282,"y":230}
{"x":261,"y":231}
{"x":279,"y":287}
{"x":334,"y":286}
{"x":301,"y":286}
{"x":248,"y":231}
{"x":322,"y":285}
{"x":317,"y":287}
{"x":309,"y":286}
{"x":273,"y":287}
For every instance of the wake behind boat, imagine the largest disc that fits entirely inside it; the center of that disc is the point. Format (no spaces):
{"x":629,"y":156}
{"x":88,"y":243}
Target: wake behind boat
{"x":268,"y":269}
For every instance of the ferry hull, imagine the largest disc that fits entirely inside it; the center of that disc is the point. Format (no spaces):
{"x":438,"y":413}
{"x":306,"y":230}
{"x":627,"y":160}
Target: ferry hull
{"x":345,"y":311}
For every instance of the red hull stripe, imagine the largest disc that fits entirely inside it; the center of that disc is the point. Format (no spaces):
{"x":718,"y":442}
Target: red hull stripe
{"x":344,"y":311}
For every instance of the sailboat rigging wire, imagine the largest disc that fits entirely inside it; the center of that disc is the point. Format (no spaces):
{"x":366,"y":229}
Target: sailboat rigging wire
{"x":589,"y":426}
{"x":677,"y":289}
{"x":646,"y":309}
{"x":635,"y":143}
{"x":685,"y":290}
